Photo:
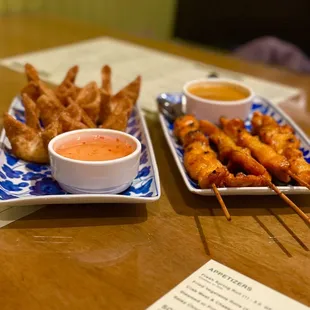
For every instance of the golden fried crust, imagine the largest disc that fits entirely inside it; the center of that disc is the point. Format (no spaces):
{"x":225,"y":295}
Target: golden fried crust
{"x":105,"y":106}
{"x":131,"y":91}
{"x":49,"y":109}
{"x":26,"y":143}
{"x":31,"y":73}
{"x":65,"y":92}
{"x":31,"y":113}
{"x":120,"y":106}
{"x":67,"y":89}
{"x":51,"y":131}
{"x":69,"y":124}
{"x":89,"y":99}
{"x":32,"y":90}
{"x":106,"y":84}
{"x":67,"y":108}
{"x":45,"y":90}
{"x":78,"y":114}
{"x":71,"y":75}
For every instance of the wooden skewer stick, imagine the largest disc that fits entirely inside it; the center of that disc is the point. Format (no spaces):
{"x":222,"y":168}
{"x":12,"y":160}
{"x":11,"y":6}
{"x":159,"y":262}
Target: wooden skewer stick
{"x":298,"y":179}
{"x":221,"y":202}
{"x":304,"y":216}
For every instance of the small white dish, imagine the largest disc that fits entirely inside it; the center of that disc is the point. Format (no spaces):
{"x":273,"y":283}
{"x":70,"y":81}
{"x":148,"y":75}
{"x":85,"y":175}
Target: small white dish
{"x":94,"y":177}
{"x":212,"y":110}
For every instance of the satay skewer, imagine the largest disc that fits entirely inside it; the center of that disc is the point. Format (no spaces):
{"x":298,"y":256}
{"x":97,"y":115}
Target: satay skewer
{"x":221,"y":202}
{"x":283,"y":140}
{"x":304,"y":216}
{"x":199,"y":159}
{"x":226,"y":147}
{"x":298,"y":179}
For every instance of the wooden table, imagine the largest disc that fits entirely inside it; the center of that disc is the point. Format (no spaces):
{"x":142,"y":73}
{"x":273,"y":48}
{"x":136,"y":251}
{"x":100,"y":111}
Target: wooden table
{"x":127,"y":256}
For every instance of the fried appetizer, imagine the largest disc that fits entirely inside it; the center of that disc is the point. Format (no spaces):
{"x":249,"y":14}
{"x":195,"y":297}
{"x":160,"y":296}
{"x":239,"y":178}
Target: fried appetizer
{"x":50,"y":112}
{"x":116,"y":110}
{"x":26,"y":142}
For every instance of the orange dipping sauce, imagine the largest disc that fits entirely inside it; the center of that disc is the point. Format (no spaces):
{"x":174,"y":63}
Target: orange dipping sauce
{"x":95,"y":148}
{"x":219,"y":91}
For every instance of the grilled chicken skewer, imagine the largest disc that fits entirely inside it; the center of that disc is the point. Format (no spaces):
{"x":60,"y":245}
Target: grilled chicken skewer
{"x":274,"y":162}
{"x":199,"y":159}
{"x":229,"y":151}
{"x":284,"y":142}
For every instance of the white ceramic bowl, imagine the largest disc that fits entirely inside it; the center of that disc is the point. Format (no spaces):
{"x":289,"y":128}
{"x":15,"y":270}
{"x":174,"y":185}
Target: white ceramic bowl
{"x":212,"y":110}
{"x":94,"y":177}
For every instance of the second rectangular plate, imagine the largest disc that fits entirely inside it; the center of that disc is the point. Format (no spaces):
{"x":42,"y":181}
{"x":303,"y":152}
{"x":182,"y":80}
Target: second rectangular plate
{"x":260,"y":105}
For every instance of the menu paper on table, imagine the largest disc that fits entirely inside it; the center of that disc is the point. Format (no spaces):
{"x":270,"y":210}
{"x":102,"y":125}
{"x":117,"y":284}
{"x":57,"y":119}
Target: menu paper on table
{"x":161,"y":72}
{"x":217,"y":287}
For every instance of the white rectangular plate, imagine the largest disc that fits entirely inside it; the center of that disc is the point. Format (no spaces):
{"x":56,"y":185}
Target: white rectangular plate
{"x":260,"y":105}
{"x":23,"y":183}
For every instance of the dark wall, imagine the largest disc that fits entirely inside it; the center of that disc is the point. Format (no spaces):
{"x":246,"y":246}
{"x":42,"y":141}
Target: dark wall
{"x":227,"y":24}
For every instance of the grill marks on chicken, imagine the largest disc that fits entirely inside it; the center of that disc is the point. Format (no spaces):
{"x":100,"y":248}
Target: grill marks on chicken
{"x":275,"y":163}
{"x":201,"y":161}
{"x":283,"y":141}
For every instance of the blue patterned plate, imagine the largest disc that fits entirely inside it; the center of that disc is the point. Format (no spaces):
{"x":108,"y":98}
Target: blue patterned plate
{"x":23,"y":183}
{"x":260,"y":105}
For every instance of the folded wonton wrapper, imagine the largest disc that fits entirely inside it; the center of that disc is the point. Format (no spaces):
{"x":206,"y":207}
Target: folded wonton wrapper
{"x":115,"y":110}
{"x":89,"y":99}
{"x":66,"y":108}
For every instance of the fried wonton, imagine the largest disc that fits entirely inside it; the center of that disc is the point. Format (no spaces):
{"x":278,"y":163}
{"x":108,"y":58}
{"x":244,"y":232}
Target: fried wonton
{"x":67,"y":89}
{"x":106,"y":84}
{"x":89,"y":99}
{"x":31,"y":73}
{"x":26,"y":142}
{"x":70,"y":76}
{"x":64,"y":123}
{"x":49,"y":109}
{"x":69,"y":124}
{"x":50,"y":132}
{"x":31,"y":113}
{"x":116,"y":111}
{"x":45,"y":90}
{"x":31,"y":90}
{"x":78,"y":114}
{"x":50,"y":112}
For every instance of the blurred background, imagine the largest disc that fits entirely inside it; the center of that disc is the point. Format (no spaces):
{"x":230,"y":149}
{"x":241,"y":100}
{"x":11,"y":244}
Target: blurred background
{"x":222,"y":25}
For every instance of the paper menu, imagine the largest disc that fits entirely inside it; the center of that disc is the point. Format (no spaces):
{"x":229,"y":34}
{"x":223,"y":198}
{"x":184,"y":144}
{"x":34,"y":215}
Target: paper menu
{"x":161,"y":72}
{"x":217,"y":287}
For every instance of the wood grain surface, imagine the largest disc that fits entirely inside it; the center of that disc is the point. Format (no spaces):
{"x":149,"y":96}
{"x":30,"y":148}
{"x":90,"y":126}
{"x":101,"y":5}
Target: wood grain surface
{"x":127,"y":256}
